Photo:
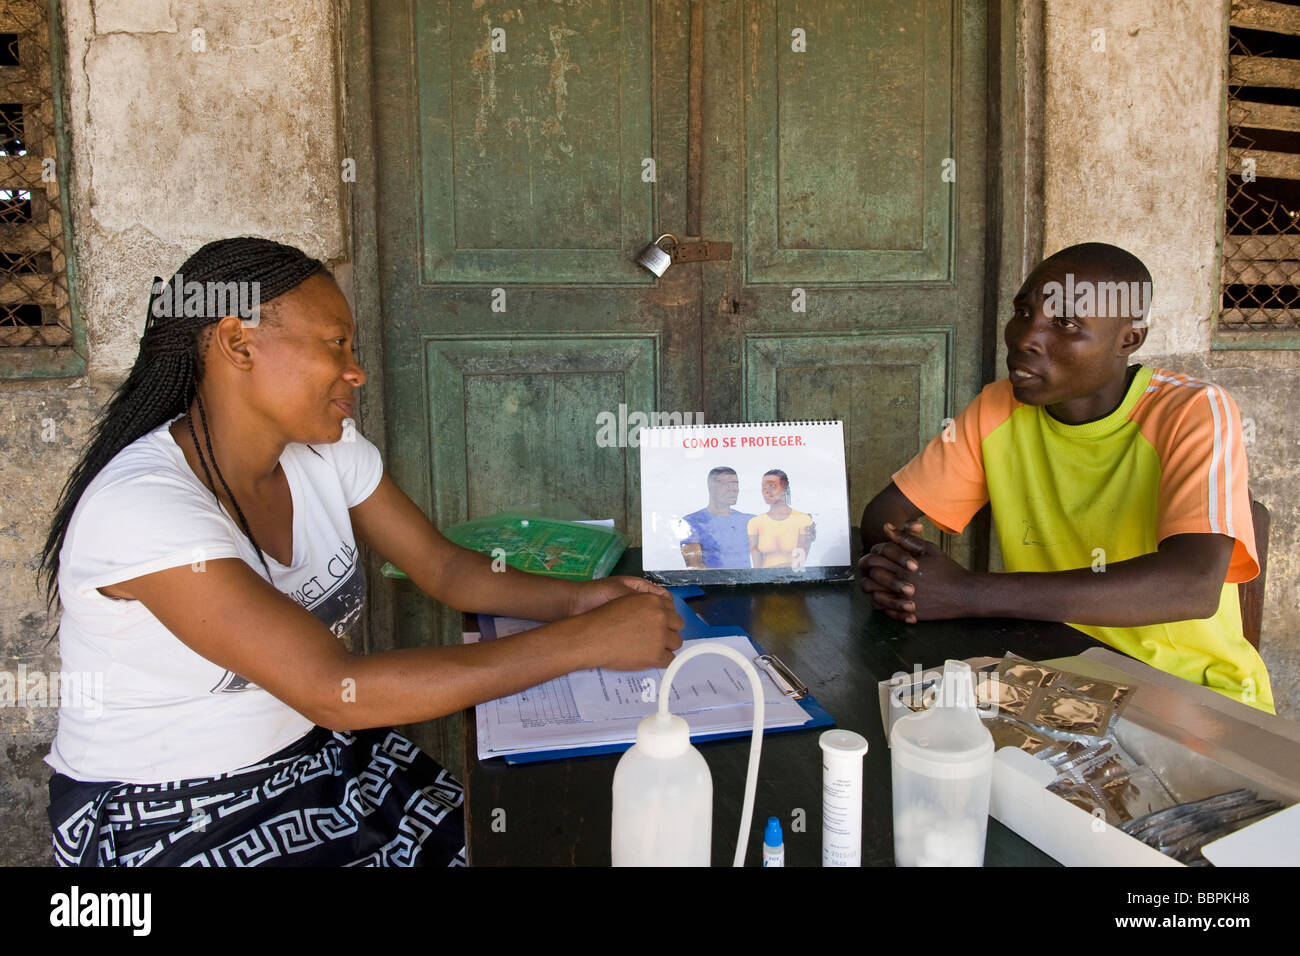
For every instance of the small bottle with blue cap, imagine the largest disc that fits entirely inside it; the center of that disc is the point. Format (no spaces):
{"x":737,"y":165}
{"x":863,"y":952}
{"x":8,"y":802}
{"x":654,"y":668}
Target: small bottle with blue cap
{"x":773,"y":847}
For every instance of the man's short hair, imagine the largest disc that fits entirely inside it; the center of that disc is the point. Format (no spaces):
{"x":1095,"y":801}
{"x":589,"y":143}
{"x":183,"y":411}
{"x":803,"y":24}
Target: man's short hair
{"x":721,"y":470}
{"x":1113,"y":266}
{"x":1118,"y":263}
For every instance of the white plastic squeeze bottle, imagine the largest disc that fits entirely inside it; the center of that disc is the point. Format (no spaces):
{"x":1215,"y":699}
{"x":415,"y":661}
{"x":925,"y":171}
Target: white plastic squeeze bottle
{"x":663,"y":799}
{"x":663,"y":792}
{"x":942,"y":762}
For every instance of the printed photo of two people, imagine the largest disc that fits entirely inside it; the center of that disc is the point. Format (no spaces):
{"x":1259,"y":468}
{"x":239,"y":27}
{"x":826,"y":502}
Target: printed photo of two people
{"x":732,"y":506}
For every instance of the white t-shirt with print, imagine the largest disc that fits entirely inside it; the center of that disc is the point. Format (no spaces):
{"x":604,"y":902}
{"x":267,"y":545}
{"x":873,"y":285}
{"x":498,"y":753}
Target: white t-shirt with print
{"x":167,"y":713}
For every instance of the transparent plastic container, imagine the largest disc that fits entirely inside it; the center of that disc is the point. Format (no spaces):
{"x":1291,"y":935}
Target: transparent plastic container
{"x":942,"y":765}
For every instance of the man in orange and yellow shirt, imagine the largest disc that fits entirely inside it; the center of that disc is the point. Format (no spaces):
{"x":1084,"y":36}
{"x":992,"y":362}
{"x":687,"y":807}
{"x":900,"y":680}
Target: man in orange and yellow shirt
{"x":1118,"y":491}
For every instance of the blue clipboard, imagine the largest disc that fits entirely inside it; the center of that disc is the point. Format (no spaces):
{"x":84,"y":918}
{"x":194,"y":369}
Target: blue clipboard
{"x":696,"y":628}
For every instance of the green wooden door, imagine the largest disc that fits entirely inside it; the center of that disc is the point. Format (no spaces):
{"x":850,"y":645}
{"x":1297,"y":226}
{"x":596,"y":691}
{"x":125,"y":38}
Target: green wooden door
{"x":526,"y":152}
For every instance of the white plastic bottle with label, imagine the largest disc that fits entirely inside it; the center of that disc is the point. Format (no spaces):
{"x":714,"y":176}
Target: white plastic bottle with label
{"x":942,"y":763}
{"x":842,"y":753}
{"x":663,"y":798}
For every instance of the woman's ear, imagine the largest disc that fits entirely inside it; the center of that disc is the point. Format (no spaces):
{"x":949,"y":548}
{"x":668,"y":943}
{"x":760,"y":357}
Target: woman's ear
{"x":231,"y":339}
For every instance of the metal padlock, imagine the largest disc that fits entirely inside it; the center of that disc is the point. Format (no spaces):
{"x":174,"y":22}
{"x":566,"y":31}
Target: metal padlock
{"x":654,"y":258}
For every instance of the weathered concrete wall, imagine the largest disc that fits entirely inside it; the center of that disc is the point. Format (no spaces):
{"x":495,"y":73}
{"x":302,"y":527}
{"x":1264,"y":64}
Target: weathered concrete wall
{"x":1132,"y":130}
{"x":33,"y":473}
{"x":178,"y":137}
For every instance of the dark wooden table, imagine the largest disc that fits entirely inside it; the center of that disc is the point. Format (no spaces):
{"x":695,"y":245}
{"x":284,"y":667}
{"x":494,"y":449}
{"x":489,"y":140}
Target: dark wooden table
{"x":558,"y":813}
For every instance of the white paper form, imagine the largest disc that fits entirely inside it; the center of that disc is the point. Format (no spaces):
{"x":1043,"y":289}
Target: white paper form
{"x":555,"y":715}
{"x":546,"y":705}
{"x":707,"y":683}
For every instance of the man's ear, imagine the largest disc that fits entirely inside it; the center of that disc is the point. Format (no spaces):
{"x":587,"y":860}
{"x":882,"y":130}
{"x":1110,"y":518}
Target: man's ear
{"x":1131,"y":339}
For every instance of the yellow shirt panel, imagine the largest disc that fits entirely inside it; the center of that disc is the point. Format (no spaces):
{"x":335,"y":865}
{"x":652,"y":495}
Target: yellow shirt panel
{"x":778,"y":539}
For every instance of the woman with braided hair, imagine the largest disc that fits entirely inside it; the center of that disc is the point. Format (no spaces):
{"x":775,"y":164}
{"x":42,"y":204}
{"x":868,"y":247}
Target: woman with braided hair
{"x":204,"y":552}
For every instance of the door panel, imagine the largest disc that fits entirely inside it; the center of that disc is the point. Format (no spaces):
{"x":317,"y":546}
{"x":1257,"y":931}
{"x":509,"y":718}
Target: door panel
{"x":531,"y":157}
{"x":513,"y":421}
{"x":845,"y":141}
{"x":860,"y":291}
{"x":511,"y":202}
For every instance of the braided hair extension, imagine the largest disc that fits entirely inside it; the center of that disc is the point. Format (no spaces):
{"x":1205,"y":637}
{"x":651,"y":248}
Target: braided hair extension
{"x":165,"y":377}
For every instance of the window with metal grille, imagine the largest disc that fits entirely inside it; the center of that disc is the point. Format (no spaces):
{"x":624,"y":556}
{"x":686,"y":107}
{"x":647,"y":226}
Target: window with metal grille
{"x":1261,"y":241}
{"x":34,"y":290}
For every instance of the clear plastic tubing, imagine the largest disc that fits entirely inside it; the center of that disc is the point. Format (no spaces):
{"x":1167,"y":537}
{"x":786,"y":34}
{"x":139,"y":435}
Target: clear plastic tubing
{"x":842,"y":753}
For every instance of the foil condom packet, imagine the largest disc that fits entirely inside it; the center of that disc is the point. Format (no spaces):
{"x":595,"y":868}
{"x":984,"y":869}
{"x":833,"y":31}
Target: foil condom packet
{"x":1007,"y":695}
{"x":1136,"y":794}
{"x":1064,"y":710}
{"x":1026,"y":672}
{"x":1099,"y":761}
{"x":1104,"y":690}
{"x":1174,"y":823}
{"x":1011,"y":733}
{"x":1105,"y":777}
{"x":1051,"y":699}
{"x":1062,"y":751}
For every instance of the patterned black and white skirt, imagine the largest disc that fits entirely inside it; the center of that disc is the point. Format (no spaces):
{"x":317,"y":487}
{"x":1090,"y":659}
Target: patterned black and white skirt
{"x":365,"y":798}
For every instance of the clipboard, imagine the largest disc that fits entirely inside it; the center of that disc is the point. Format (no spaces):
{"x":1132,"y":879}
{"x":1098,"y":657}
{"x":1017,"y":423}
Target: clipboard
{"x":775,"y":670}
{"x":694,"y":628}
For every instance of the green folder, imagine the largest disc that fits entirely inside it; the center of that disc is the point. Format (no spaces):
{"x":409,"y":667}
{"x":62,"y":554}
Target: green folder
{"x":560,"y":549}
